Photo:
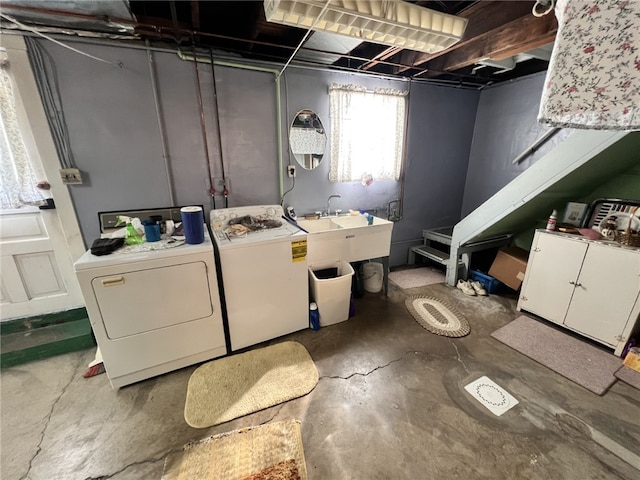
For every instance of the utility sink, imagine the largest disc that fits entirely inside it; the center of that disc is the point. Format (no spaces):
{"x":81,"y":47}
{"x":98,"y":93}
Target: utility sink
{"x":320,"y":225}
{"x":348,"y":238}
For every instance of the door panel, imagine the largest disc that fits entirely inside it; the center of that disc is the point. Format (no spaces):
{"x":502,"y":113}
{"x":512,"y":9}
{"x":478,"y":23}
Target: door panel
{"x":40,"y":274}
{"x":37,"y":271}
{"x":137,"y":302}
{"x":607,"y":273}
{"x":555,"y":263}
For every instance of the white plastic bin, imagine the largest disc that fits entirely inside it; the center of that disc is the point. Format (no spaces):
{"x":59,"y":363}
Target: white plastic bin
{"x":331,"y":294}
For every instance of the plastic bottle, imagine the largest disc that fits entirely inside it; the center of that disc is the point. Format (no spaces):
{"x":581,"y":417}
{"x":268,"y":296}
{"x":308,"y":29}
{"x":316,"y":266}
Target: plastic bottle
{"x":551,"y":223}
{"x":314,"y":316}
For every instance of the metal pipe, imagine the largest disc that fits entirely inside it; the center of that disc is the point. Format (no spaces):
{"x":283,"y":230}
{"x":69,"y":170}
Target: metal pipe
{"x":225,"y":190}
{"x":172,"y":33}
{"x":161,"y":126}
{"x":273,"y":71}
{"x":203,"y":124}
{"x":534,"y":146}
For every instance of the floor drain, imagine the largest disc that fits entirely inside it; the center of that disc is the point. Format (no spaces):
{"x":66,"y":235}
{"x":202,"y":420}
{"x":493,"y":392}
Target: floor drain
{"x":491,"y":395}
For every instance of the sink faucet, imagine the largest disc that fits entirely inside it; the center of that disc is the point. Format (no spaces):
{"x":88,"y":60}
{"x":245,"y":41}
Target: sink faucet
{"x":335,"y":195}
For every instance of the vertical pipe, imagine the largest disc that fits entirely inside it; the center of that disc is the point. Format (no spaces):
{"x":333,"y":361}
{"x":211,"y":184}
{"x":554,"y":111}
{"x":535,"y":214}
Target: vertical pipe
{"x":203,"y":124}
{"x":161,"y":126}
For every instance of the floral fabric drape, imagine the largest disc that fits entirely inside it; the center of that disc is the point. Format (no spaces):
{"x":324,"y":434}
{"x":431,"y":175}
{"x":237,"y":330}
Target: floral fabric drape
{"x":593,"y":80}
{"x":367,"y":133}
{"x":18,"y":179}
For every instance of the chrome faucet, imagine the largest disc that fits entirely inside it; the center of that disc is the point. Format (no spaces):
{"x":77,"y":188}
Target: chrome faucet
{"x":335,"y":195}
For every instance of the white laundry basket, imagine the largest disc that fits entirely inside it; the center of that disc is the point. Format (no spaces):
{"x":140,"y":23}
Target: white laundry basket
{"x":372,"y":273}
{"x":332,"y":295}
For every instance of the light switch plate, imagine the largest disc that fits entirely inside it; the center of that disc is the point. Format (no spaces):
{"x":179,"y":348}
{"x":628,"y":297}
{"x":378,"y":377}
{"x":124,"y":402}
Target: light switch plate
{"x":71,"y":176}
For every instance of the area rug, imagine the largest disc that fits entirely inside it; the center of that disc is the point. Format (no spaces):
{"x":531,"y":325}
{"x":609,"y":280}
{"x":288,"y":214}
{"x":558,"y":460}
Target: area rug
{"x":571,"y":357}
{"x":235,"y":386}
{"x":416,"y":277}
{"x":267,"y":452}
{"x":628,"y":376}
{"x":437,"y":317}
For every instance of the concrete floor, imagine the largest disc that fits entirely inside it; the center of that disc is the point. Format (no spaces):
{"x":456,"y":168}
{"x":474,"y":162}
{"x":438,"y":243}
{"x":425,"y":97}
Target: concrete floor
{"x":390,"y":404}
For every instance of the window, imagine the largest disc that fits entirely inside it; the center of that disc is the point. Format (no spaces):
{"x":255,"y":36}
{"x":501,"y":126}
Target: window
{"x":367,"y":133}
{"x":18,"y":179}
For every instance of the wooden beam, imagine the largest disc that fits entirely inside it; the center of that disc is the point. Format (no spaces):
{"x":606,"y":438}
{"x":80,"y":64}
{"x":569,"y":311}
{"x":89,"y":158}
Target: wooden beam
{"x":385,"y":54}
{"x":483,"y":17}
{"x":515,"y":37}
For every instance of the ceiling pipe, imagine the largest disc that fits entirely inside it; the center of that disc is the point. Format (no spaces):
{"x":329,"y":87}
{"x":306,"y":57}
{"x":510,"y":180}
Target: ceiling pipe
{"x":172,"y":33}
{"x":301,"y":64}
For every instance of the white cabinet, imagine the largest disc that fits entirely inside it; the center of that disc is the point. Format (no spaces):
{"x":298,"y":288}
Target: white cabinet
{"x":589,"y":287}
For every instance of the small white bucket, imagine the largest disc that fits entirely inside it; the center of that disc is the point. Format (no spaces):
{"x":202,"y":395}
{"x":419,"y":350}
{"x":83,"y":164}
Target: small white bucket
{"x":372,"y":273}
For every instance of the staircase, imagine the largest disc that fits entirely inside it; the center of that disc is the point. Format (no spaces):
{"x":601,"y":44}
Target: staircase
{"x":443,"y":236}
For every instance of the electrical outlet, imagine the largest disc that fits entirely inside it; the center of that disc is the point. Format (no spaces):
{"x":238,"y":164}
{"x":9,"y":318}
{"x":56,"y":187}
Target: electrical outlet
{"x":71,"y":176}
{"x":291,"y":171}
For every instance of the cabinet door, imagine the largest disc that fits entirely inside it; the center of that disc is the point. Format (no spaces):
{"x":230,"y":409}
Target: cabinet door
{"x":605,"y":293}
{"x":554,"y":263}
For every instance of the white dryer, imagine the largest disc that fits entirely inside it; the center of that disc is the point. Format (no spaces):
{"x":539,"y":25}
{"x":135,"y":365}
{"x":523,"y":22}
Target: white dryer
{"x":154,"y":310}
{"x":264,"y":273}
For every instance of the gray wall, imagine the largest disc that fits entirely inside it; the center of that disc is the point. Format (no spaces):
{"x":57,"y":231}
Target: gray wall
{"x":116,"y":141}
{"x":505,"y":125}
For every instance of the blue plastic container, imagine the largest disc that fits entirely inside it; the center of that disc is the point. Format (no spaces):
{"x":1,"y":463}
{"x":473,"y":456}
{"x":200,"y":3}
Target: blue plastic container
{"x":489,"y":283}
{"x":151,"y":231}
{"x":314,"y":317}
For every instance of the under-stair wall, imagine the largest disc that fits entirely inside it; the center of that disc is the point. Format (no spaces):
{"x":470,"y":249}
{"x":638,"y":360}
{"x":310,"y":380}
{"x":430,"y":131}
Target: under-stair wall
{"x":577,"y":165}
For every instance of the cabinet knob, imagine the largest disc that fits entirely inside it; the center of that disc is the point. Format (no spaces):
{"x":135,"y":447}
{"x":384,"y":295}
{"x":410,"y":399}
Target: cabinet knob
{"x":576,"y":284}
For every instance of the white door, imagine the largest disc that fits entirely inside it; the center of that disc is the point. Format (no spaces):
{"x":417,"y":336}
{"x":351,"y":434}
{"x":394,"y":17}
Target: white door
{"x":36,"y":252}
{"x":605,"y":293}
{"x":36,"y":269}
{"x":554,"y":263}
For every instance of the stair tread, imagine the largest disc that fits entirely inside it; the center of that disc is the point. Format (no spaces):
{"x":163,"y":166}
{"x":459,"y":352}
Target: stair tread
{"x":432,"y":253}
{"x":44,"y":336}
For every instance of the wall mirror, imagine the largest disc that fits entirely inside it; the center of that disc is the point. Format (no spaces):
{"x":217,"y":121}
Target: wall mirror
{"x":307,"y":139}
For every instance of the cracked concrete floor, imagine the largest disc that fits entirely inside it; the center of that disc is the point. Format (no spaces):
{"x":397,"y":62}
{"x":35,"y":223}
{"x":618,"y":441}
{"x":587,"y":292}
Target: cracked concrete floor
{"x":390,"y":404}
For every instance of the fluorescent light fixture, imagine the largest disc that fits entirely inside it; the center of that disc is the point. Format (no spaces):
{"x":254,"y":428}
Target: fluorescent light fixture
{"x":392,"y":22}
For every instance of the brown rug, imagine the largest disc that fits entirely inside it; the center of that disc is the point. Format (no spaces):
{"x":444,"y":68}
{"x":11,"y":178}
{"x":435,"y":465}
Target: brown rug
{"x":416,"y":277}
{"x":628,"y":376}
{"x":572,"y":358}
{"x":266,"y":452}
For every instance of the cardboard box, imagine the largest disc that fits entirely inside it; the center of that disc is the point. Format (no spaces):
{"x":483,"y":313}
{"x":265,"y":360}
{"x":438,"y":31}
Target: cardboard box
{"x":509,"y":266}
{"x":632,"y":360}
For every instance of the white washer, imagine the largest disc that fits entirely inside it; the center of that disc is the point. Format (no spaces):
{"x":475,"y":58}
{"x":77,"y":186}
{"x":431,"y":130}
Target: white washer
{"x":153,"y":311}
{"x":264,"y":274}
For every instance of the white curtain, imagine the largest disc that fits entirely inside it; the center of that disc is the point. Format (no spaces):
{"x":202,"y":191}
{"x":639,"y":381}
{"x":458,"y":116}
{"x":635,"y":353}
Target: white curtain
{"x":18,"y":179}
{"x":367,"y":133}
{"x":593,"y":80}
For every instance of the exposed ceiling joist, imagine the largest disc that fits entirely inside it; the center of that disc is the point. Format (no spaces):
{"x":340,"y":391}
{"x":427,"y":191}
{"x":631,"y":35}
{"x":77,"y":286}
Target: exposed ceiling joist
{"x":484,"y":17}
{"x":526,"y":33}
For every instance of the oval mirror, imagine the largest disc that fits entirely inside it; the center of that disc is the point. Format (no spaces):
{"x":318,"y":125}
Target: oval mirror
{"x":307,"y":139}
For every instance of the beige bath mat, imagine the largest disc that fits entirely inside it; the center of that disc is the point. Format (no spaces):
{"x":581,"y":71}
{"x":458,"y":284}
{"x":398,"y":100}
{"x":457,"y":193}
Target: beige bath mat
{"x":235,"y":386}
{"x":266,"y":452}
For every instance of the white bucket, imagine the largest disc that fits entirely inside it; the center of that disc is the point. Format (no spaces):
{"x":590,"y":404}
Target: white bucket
{"x":372,"y":273}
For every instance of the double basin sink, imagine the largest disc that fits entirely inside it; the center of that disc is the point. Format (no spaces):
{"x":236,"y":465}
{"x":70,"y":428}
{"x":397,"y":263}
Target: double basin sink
{"x":349,"y":238}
